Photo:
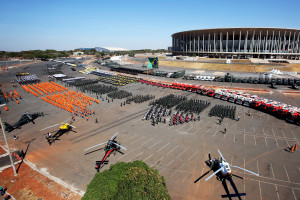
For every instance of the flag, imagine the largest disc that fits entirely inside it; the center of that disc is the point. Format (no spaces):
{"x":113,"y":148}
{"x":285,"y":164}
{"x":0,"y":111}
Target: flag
{"x":153,"y":63}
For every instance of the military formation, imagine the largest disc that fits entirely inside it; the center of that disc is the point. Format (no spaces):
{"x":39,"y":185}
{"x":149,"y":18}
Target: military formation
{"x":118,"y":80}
{"x":92,"y":86}
{"x":139,"y":98}
{"x":157,"y":112}
{"x":119,"y":94}
{"x":193,"y":105}
{"x":223,"y":111}
{"x":180,"y":118}
{"x":169,"y":101}
{"x":27,"y":79}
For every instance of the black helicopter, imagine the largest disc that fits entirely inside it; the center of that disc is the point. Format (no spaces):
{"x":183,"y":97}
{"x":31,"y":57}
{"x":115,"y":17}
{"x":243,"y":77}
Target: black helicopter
{"x":25,"y":118}
{"x":222,"y":170}
{"x":111,"y":146}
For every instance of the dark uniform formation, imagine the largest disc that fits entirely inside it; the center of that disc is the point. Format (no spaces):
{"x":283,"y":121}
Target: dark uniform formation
{"x":223,"y":111}
{"x":168,"y":101}
{"x":139,"y":98}
{"x":193,"y":105}
{"x":27,"y":79}
{"x":119,"y":94}
{"x":157,"y":112}
{"x":92,"y":86}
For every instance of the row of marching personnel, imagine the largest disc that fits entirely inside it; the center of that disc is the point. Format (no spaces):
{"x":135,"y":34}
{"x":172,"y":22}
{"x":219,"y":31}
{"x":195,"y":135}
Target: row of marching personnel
{"x":59,"y":96}
{"x":13,"y":94}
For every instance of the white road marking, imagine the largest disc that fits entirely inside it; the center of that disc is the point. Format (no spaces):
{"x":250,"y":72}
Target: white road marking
{"x":192,"y":155}
{"x":277,"y":192}
{"x":155,"y":144}
{"x":286,"y":173}
{"x":272,"y":171}
{"x":294,"y":194}
{"x":166,"y":166}
{"x":136,"y":156}
{"x":147,"y":142}
{"x":182,"y":152}
{"x":266,"y":141}
{"x":162,"y":147}
{"x":257,"y":167}
{"x":259,"y":190}
{"x":273,"y":132}
{"x":147,"y":158}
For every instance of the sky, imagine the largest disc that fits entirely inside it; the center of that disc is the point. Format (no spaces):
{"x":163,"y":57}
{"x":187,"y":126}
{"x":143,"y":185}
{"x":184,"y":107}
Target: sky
{"x":71,"y":24}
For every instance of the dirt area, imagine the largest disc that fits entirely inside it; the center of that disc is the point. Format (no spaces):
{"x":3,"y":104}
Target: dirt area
{"x":31,"y":185}
{"x":233,"y":67}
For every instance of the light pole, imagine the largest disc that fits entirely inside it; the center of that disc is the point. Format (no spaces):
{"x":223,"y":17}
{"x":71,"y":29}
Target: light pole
{"x":12,"y":163}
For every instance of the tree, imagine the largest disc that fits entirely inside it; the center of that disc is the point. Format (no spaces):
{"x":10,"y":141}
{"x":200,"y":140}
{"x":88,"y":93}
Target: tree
{"x":134,"y":180}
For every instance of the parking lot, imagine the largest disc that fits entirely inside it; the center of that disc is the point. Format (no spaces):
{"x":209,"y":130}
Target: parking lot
{"x":256,"y":142}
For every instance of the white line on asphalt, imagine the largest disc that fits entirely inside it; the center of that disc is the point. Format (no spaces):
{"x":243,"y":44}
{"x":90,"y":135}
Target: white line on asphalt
{"x":257,"y":167}
{"x":259,"y":190}
{"x":162,"y":147}
{"x":147,"y":142}
{"x":273,"y":132}
{"x":244,"y":138}
{"x":164,"y":156}
{"x":283,"y":133}
{"x":272,"y":171}
{"x":148,"y":157}
{"x":166,"y":166}
{"x":286,"y":173}
{"x":266,"y":141}
{"x":255,"y":140}
{"x":192,"y":155}
{"x":276,"y":143}
{"x":155,"y":144}
{"x":182,"y":152}
{"x":294,"y":194}
{"x":138,"y":139}
{"x":136,"y":156}
{"x":277,"y":192}
{"x":293,"y":134}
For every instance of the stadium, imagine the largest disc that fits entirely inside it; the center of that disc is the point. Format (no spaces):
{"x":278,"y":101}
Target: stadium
{"x":238,"y":43}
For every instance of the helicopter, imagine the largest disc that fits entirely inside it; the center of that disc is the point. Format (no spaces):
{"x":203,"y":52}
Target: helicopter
{"x":111,"y":147}
{"x":63,"y":128}
{"x":222,"y":170}
{"x":25,"y":118}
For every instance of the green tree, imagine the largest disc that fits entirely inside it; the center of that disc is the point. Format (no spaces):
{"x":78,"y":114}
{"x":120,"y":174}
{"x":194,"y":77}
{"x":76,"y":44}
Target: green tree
{"x":134,"y":180}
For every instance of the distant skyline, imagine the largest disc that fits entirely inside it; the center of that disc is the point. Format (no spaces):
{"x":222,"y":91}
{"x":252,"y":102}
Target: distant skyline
{"x":67,"y":25}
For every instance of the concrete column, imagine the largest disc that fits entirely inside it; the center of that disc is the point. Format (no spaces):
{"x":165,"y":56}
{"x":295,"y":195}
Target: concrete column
{"x":198,"y":43}
{"x":246,"y":44}
{"x":240,"y":38}
{"x":227,"y":41}
{"x":215,"y":48}
{"x":233,"y":50}
{"x":221,"y":44}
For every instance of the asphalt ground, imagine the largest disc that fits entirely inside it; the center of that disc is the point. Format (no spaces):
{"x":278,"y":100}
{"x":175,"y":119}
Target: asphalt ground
{"x":256,"y":143}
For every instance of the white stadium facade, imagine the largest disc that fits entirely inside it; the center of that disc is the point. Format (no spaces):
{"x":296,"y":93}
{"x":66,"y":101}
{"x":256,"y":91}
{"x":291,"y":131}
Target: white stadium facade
{"x":277,"y":43}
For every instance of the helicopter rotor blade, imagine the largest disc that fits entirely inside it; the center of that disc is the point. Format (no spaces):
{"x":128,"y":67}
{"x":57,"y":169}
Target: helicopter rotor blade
{"x":114,"y":136}
{"x":202,"y":176}
{"x":49,"y":127}
{"x":237,"y":176}
{"x":221,"y":155}
{"x":209,"y":157}
{"x":94,"y":146}
{"x":214,"y":173}
{"x":119,"y":145}
{"x":72,"y":126}
{"x":245,"y":170}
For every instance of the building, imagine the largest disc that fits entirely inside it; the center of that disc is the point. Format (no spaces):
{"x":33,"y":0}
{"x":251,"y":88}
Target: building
{"x":78,"y":53}
{"x":110,"y":49}
{"x":279,"y":43}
